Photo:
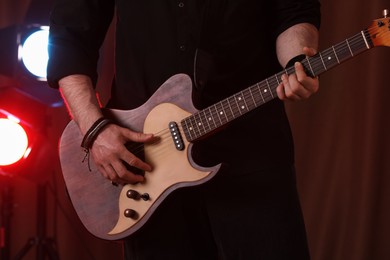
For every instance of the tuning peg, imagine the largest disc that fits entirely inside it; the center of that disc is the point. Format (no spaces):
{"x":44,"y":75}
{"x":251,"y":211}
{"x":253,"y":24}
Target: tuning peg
{"x":385,"y":13}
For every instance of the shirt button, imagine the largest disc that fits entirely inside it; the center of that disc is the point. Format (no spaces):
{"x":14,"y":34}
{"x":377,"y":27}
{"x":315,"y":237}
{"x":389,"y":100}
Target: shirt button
{"x":182,"y":47}
{"x":181,"y":4}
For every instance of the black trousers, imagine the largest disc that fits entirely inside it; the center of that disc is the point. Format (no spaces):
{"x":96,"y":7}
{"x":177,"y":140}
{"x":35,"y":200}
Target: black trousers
{"x":236,"y":215}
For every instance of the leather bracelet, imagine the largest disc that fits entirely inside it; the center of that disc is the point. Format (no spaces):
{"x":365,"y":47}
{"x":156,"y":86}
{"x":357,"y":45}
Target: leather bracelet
{"x":93,"y":132}
{"x":297,"y":58}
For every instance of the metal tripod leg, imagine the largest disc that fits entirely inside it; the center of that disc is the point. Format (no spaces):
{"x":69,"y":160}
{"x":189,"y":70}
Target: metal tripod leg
{"x":45,"y":246}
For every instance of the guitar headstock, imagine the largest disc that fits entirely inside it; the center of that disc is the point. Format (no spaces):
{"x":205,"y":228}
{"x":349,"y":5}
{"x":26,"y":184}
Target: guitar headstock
{"x":380,"y":30}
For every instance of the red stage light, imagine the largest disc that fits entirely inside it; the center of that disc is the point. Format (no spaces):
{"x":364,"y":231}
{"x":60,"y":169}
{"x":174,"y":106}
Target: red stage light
{"x":13,"y":142}
{"x":25,"y":149}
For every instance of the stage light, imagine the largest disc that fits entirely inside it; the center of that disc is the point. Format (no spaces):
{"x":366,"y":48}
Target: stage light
{"x":24,"y":52}
{"x":33,"y":52}
{"x":13,"y":142}
{"x":24,"y":146}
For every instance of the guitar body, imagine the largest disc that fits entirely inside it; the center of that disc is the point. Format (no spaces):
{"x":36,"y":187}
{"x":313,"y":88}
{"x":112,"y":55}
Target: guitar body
{"x":100,"y":205}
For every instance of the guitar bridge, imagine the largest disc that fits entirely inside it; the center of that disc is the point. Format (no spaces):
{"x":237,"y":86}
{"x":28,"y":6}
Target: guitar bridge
{"x":176,"y":136}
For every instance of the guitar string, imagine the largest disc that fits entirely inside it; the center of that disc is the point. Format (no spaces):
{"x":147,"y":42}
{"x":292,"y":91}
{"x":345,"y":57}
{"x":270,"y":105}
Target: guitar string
{"x":138,"y":148}
{"x":255,"y":90}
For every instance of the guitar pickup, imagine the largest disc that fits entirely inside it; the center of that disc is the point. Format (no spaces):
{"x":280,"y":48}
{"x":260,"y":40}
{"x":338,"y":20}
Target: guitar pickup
{"x":176,"y":136}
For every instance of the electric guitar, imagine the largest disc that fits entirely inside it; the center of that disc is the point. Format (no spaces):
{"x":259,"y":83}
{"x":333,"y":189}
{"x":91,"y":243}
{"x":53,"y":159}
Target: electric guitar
{"x":113,"y":212}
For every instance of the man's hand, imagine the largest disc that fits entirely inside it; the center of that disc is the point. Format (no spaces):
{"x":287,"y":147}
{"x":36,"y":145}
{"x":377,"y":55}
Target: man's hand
{"x":108,"y":150}
{"x":110,"y":153}
{"x":298,"y":86}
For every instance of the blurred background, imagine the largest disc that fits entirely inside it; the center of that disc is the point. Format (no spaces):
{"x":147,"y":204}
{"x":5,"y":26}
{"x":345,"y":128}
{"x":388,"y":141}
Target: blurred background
{"x":341,"y":135}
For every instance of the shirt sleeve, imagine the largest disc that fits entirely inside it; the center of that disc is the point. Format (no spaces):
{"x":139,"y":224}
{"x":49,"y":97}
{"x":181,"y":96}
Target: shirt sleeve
{"x":77,"y":31}
{"x":292,"y":12}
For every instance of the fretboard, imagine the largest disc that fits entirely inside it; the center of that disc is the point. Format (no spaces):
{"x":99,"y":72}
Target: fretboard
{"x":215,"y":116}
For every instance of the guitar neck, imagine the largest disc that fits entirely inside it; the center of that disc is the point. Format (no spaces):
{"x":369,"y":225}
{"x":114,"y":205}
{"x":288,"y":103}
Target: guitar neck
{"x":215,"y":116}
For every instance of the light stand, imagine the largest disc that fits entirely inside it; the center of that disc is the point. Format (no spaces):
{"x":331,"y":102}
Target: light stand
{"x":45,"y":246}
{"x":6,"y":205}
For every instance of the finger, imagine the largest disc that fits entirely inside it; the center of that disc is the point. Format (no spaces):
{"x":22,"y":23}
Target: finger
{"x":309,"y":83}
{"x":300,"y":71}
{"x":280,"y":92}
{"x":292,"y":88}
{"x":126,"y":176}
{"x":108,"y":172}
{"x":138,"y":137}
{"x":309,"y":51}
{"x":134,"y":161}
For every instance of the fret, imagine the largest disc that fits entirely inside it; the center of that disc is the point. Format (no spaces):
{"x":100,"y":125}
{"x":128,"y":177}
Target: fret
{"x":343,"y":52}
{"x":248,"y":99}
{"x":215,"y":116}
{"x":335,"y":53}
{"x":349,"y":47}
{"x":211,"y":119}
{"x":244,"y":99}
{"x":257,"y":96}
{"x":329,"y":58}
{"x":323,"y":62}
{"x":267,"y":91}
{"x":225,"y":110}
{"x":192,"y":129}
{"x":368,"y":39}
{"x":266,"y":81}
{"x":206,"y":119}
{"x":290,"y":70}
{"x":253,"y":99}
{"x":269,"y":87}
{"x":203,"y":118}
{"x":199,"y":124}
{"x":365,"y":40}
{"x":263,"y":95}
{"x":311,"y":68}
{"x":218,"y":112}
{"x":187,"y":131}
{"x":231,"y":109}
{"x":318,"y":64}
{"x":260,"y":91}
{"x":238,"y":105}
{"x":277,"y":79}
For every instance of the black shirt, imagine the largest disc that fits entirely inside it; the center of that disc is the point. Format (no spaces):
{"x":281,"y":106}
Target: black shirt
{"x":156,"y":39}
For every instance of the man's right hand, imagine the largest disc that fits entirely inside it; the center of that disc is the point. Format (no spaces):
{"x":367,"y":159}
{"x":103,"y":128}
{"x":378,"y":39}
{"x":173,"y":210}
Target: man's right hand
{"x":110,"y":154}
{"x":108,"y":150}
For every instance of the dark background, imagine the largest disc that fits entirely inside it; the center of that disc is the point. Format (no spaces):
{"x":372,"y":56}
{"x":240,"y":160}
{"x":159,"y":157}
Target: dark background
{"x":342,"y":154}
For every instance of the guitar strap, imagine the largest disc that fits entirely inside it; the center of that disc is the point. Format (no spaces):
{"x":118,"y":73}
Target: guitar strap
{"x":211,"y":21}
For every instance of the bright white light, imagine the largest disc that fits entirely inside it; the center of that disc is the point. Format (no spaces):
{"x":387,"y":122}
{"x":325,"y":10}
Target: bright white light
{"x":34,"y":52}
{"x":13,"y":142}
